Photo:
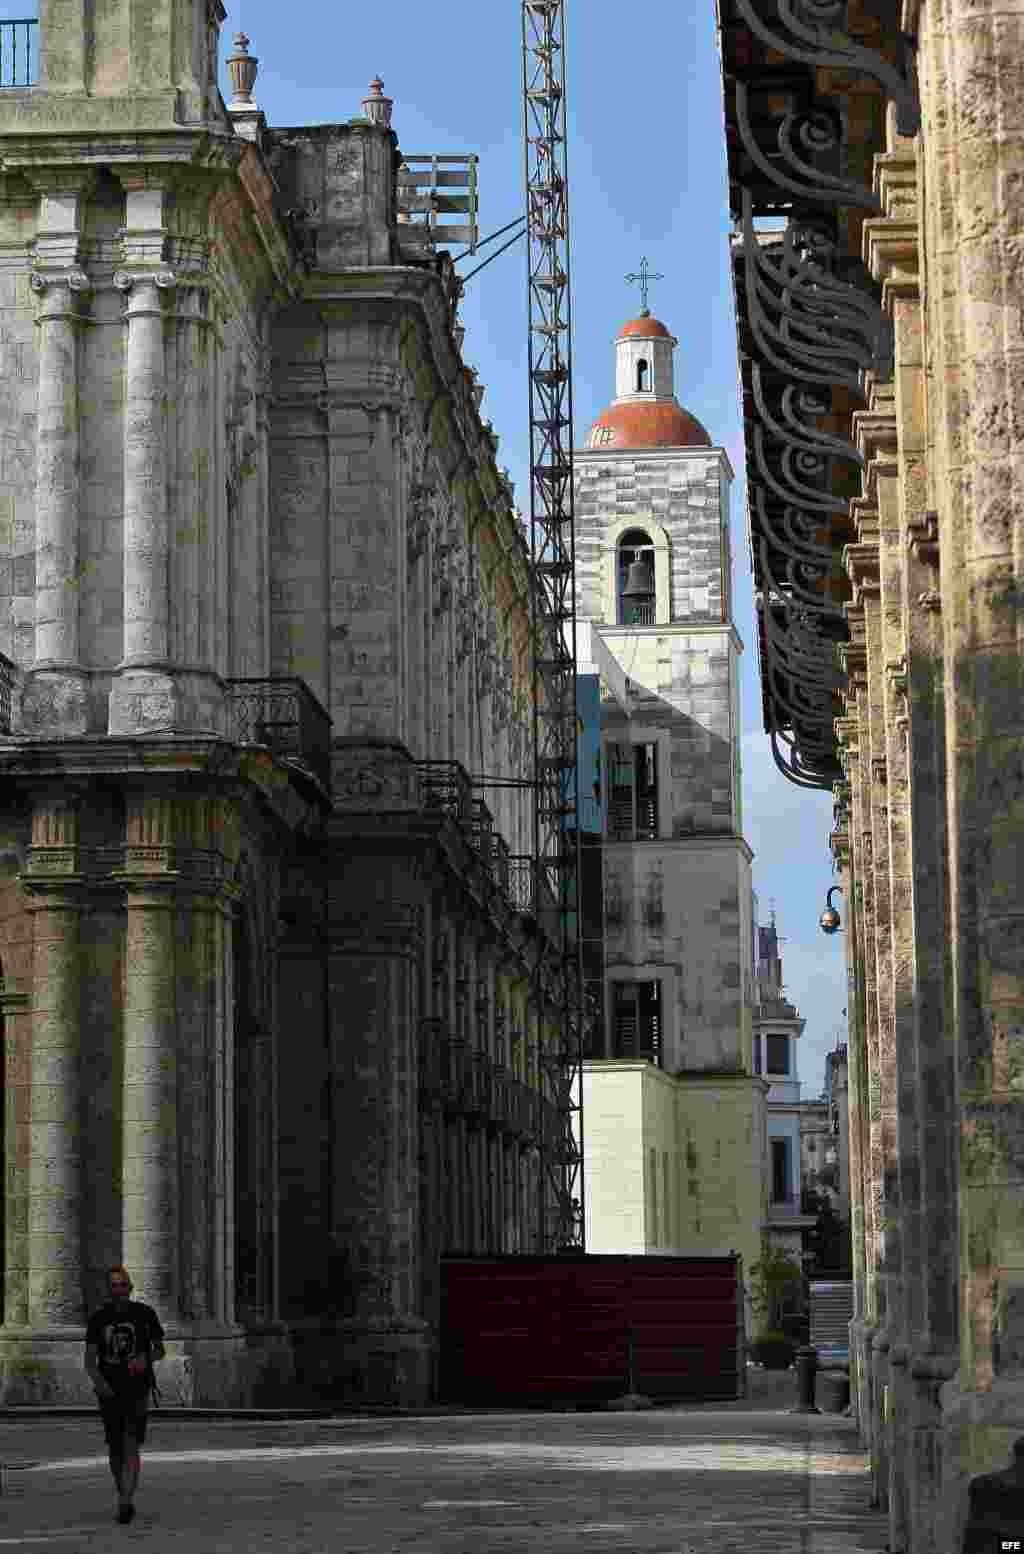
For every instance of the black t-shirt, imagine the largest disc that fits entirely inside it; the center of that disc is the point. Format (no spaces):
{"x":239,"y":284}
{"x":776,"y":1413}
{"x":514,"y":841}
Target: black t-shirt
{"x":121,"y":1335}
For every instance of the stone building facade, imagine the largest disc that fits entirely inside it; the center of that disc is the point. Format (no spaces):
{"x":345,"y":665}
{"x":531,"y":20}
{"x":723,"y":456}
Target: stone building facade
{"x":778,"y":1026}
{"x":888,"y":532}
{"x":265,"y":948}
{"x":674,"y":1114}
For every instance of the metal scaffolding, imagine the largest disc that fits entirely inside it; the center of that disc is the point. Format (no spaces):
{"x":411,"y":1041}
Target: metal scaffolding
{"x":557,"y":977}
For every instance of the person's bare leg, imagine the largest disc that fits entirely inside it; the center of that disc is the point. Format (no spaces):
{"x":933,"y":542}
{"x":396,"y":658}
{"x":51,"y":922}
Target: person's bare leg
{"x":130,"y":1470}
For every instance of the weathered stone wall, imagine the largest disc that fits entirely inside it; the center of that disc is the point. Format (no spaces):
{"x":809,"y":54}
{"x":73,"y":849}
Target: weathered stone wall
{"x":927,"y":837}
{"x":226,"y":454}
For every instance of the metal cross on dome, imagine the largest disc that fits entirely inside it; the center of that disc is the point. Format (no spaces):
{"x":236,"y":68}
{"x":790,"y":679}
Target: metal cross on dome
{"x":644,"y":276}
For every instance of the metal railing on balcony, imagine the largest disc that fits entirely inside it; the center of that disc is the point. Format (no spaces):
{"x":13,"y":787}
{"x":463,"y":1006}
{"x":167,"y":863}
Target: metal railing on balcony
{"x":465,"y":1082}
{"x":8,"y":676}
{"x":445,"y":788}
{"x":19,"y":52}
{"x":284,"y":715}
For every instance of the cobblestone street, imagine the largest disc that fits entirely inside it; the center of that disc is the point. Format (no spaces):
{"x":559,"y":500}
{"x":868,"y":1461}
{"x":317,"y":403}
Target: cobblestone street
{"x":706,"y":1480}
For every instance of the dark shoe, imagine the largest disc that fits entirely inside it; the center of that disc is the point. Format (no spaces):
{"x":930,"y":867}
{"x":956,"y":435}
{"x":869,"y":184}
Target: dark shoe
{"x":125,"y":1513}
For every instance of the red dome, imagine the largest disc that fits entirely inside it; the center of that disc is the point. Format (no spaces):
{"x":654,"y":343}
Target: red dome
{"x":658,"y":423}
{"x":648,"y":328}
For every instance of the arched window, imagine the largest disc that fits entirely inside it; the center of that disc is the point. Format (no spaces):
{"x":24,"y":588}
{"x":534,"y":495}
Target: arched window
{"x":636,"y":608}
{"x":641,"y":376}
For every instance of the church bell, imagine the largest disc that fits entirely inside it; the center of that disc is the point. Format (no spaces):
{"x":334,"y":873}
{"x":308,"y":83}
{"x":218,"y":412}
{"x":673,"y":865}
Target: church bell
{"x":639,"y":584}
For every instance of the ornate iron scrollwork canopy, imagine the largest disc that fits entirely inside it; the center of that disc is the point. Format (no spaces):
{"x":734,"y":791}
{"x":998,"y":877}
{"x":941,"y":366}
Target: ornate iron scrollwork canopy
{"x":811,"y":330}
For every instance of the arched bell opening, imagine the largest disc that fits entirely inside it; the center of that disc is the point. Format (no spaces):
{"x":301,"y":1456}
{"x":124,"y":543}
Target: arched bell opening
{"x":636,"y":588}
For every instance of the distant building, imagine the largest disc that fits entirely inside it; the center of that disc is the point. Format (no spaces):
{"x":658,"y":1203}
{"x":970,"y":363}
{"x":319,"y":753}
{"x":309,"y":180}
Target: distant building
{"x":778,"y":1026}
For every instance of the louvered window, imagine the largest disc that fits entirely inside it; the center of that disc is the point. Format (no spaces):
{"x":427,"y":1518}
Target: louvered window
{"x":632,"y":793}
{"x":777,"y":1054}
{"x":636,"y":1016}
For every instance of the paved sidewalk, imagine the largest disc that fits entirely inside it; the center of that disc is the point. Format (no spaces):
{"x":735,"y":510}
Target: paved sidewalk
{"x":702,"y":1480}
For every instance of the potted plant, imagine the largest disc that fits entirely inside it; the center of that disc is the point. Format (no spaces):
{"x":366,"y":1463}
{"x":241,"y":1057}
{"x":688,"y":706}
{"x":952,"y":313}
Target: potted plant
{"x":774,"y":1282}
{"x":773,"y":1350}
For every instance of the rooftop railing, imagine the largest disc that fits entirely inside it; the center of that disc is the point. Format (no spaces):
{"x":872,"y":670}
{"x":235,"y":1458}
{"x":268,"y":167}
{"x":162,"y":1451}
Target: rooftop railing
{"x":19,"y":52}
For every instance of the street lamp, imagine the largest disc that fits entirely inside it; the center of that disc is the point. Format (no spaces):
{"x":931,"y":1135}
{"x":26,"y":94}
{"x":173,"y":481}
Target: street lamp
{"x":829,"y":919}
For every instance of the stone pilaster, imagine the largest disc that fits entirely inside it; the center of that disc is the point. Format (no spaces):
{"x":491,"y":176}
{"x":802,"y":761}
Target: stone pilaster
{"x":876,"y":432}
{"x":374,"y":928}
{"x":862,"y":560}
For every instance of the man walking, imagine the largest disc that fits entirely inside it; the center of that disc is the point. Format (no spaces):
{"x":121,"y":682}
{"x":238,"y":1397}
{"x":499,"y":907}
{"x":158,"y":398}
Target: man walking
{"x":122,"y":1340}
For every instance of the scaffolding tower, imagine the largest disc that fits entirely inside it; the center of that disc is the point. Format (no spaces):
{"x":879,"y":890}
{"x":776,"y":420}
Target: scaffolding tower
{"x":557,"y":975}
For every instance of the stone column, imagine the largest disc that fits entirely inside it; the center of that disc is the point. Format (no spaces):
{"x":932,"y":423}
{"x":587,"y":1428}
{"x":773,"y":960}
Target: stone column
{"x":16,"y":1011}
{"x":44,"y":1296}
{"x":144,"y":695}
{"x":149,"y":1173}
{"x":973,"y":143}
{"x":56,"y":698}
{"x":55,"y":1294}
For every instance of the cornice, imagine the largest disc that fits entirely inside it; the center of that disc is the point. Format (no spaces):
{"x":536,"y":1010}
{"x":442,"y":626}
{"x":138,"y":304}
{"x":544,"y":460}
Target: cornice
{"x":160,"y":760}
{"x":671,"y":629}
{"x":193,"y":152}
{"x":581,"y":457}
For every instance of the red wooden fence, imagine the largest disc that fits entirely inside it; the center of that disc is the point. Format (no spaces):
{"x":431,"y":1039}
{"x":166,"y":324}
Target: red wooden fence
{"x":587,"y":1328}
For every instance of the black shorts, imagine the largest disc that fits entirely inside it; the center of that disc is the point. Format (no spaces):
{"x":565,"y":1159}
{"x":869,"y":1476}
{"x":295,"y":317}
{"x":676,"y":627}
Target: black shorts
{"x":124,"y":1416}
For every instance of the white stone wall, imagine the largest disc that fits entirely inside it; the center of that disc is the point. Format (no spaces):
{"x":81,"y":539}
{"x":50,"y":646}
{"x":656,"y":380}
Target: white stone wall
{"x":684,"y":489}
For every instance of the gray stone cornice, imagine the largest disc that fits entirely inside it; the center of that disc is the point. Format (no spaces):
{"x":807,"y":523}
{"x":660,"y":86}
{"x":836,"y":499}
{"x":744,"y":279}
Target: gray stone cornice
{"x":152,"y":155}
{"x":713,"y":841}
{"x":160,"y":760}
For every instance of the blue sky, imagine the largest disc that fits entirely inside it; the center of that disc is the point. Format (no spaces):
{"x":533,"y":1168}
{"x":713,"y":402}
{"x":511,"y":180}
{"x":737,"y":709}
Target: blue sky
{"x":647,"y":177}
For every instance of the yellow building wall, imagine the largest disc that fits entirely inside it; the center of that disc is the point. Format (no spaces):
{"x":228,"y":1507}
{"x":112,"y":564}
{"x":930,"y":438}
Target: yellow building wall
{"x":673,"y":1166}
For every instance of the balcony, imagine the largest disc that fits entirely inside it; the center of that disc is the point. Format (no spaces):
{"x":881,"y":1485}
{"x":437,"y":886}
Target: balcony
{"x":446,"y":791}
{"x":8,"y":678}
{"x":285,"y":716}
{"x":464,"y":1082}
{"x":19,"y":53}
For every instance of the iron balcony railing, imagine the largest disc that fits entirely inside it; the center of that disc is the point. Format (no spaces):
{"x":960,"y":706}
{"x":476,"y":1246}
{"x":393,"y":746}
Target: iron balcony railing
{"x":285,"y":716}
{"x":446,"y":790}
{"x":8,"y":677}
{"x":19,"y":52}
{"x":638,"y":614}
{"x":462,"y":1081}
